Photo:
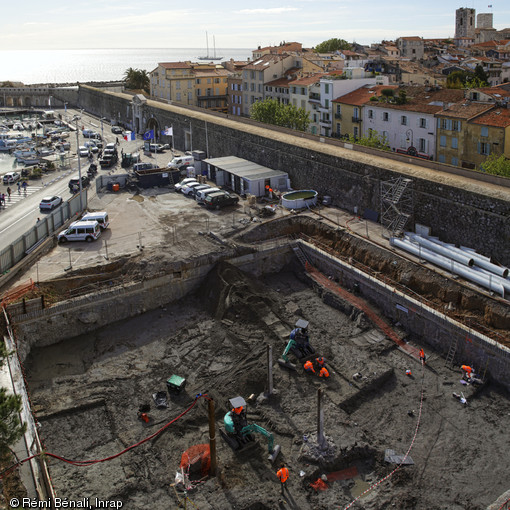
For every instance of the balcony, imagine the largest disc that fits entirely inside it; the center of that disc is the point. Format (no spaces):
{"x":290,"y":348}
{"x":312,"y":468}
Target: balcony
{"x":356,"y":119}
{"x":338,"y":116}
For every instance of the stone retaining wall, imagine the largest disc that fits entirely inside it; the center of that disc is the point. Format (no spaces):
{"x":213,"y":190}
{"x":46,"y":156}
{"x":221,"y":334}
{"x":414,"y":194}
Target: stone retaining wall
{"x":466,"y":214}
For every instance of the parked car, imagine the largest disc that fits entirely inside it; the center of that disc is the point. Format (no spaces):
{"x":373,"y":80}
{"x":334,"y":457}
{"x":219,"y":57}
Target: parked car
{"x":179,"y":185}
{"x":49,"y":203}
{"x":156,"y":147}
{"x":11,"y":177}
{"x":74,"y":183}
{"x":91,"y":146}
{"x":116,"y":130}
{"x":220,"y":199}
{"x":87,"y":133}
{"x":195,"y":190}
{"x":188,"y":188}
{"x":83,"y":151}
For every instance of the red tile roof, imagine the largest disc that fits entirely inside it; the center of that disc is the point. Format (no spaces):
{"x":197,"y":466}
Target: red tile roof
{"x":464,"y":110}
{"x":362,"y":95}
{"x":175,"y":65}
{"x":499,"y":117}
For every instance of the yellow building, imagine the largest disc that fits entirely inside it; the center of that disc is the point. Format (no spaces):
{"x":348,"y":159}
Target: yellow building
{"x":458,"y":136}
{"x":203,"y":85}
{"x":490,"y":134}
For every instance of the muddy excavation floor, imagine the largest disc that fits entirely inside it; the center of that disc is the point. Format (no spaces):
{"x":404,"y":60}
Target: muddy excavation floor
{"x":87,"y":391}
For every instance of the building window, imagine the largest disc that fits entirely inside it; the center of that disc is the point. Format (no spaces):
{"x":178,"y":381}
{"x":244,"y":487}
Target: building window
{"x":177,"y":84}
{"x":442,"y":141}
{"x":385,"y":116}
{"x":326,"y":103}
{"x":441,"y":158}
{"x":422,"y":145}
{"x":338,"y":129}
{"x":485,"y":131}
{"x":370,"y":114}
{"x":423,"y":123}
{"x":326,"y":88}
{"x":484,"y":148}
{"x":385,"y":136}
{"x":455,"y":161}
{"x":356,"y":131}
{"x":456,"y":125}
{"x":455,"y":143}
{"x":403,"y":120}
{"x":178,"y":96}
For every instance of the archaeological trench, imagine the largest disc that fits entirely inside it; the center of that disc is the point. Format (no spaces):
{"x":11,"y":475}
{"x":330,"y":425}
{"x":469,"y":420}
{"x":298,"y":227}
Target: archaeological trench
{"x":91,"y":361}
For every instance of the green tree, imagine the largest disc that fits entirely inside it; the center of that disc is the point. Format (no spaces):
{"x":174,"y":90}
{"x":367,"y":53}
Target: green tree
{"x":496,"y":165}
{"x":481,"y":75}
{"x":271,"y":111}
{"x":137,"y":79}
{"x":11,"y":428}
{"x":332,"y":45}
{"x":459,"y":79}
{"x":373,"y":140}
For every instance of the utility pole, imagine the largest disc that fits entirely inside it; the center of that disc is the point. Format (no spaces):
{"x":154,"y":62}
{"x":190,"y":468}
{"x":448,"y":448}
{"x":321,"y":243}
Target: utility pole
{"x":212,"y":438}
{"x":320,"y":420}
{"x":269,"y":370}
{"x":76,"y":118}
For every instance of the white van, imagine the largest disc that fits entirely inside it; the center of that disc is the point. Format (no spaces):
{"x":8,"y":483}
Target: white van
{"x":201,"y":194}
{"x":180,"y":161}
{"x":81,"y":231}
{"x":101,"y":217}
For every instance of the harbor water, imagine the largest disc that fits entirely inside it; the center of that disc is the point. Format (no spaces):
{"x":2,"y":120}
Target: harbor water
{"x":71,"y":66}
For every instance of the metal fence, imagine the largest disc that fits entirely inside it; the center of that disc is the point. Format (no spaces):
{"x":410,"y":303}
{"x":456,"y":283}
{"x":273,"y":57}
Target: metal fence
{"x":44,"y":228}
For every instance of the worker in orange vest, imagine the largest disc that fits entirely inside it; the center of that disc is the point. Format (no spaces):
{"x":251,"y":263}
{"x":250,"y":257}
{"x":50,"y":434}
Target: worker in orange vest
{"x":422,"y":356}
{"x":320,"y":361}
{"x":308,"y":366}
{"x":324,"y":372}
{"x":283,"y":475}
{"x":238,"y":410}
{"x":466,"y":371}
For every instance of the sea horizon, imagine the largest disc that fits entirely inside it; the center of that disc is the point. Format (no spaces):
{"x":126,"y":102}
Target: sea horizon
{"x":93,"y":64}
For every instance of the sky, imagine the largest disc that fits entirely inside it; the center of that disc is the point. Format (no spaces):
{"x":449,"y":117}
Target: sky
{"x":48,"y":24}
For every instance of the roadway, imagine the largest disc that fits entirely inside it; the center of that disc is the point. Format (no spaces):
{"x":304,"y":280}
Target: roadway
{"x":21,"y":211}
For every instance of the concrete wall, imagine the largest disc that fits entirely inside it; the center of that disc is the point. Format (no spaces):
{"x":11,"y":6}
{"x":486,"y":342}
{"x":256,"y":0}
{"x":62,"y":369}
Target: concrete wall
{"x":422,"y":322}
{"x":457,"y":214}
{"x":87,"y":313}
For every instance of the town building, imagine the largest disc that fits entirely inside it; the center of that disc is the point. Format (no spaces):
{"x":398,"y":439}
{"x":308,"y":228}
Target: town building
{"x":411,"y":47}
{"x":267,"y":68}
{"x":455,"y":136}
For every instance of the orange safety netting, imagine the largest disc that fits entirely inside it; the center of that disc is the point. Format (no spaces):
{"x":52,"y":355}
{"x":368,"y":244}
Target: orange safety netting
{"x":16,"y":293}
{"x":196,"y":458}
{"x":319,"y":485}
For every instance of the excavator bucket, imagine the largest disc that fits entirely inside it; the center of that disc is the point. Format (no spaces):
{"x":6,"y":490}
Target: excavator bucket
{"x":274,"y":454}
{"x":287,"y":364}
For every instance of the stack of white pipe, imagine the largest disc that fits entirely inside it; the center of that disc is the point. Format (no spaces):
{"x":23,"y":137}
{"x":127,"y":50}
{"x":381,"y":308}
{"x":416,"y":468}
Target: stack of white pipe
{"x":465,"y":263}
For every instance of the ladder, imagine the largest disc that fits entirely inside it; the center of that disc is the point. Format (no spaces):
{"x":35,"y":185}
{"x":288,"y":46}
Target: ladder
{"x":451,"y":352}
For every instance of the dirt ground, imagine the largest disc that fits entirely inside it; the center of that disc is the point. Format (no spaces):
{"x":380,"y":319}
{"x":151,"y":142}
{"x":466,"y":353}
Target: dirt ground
{"x":87,"y":391}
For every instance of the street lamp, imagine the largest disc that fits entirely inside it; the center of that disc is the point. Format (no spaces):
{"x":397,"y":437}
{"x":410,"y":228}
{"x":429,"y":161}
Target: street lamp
{"x":102,"y":134}
{"x":409,"y":136}
{"x":77,"y":118}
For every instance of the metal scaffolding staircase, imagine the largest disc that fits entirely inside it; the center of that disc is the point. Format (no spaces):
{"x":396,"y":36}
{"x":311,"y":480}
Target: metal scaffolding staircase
{"x":396,"y":204}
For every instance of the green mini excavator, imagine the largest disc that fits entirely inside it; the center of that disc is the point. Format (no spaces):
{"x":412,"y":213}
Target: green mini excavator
{"x":238,"y":433}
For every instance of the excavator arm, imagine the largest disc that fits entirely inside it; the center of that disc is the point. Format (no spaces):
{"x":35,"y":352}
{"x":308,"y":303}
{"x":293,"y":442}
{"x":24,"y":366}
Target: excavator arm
{"x":290,"y":346}
{"x":253,"y":427}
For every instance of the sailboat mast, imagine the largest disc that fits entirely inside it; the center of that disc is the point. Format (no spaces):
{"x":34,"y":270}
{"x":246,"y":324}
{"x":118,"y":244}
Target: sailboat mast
{"x":214,"y":45}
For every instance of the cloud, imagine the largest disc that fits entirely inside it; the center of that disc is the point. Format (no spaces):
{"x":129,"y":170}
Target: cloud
{"x":38,"y":23}
{"x":274,"y":10}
